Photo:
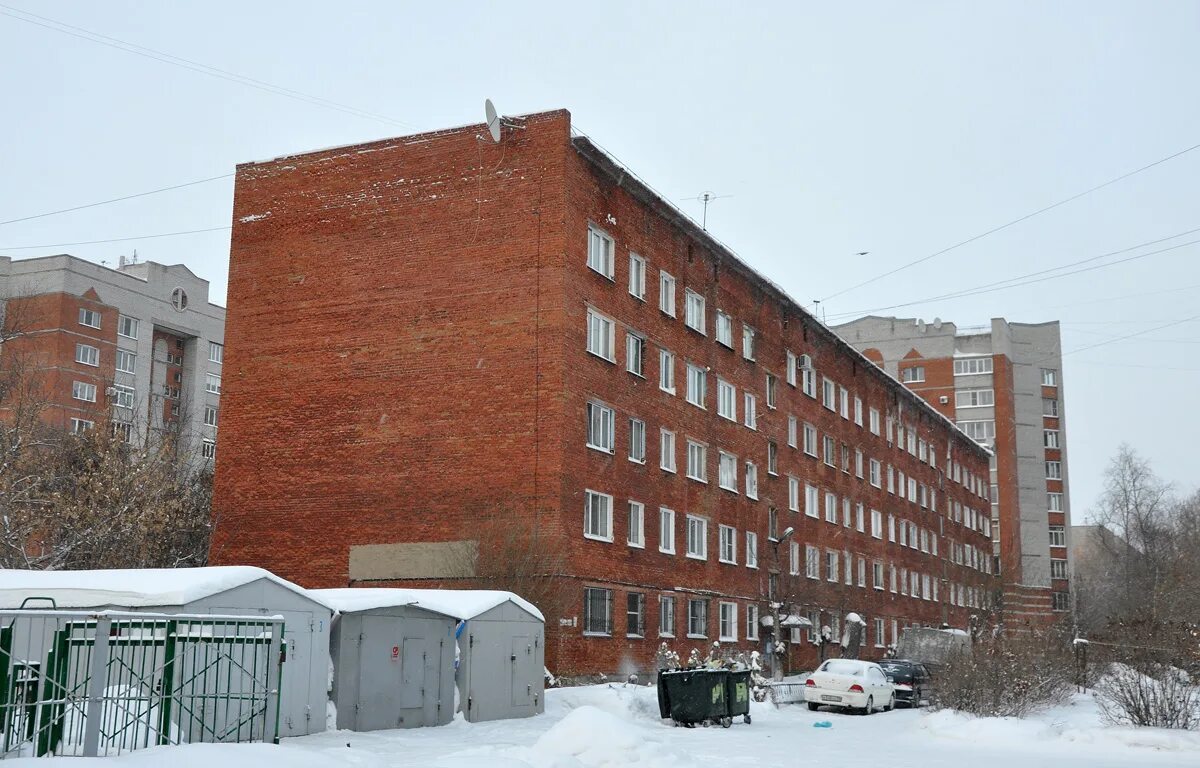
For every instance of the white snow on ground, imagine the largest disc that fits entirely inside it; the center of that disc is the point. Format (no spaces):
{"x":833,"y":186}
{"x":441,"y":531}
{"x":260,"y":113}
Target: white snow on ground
{"x":613,"y":725}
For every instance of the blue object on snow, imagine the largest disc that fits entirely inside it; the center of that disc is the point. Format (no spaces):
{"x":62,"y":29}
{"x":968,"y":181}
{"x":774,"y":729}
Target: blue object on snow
{"x":822,"y":724}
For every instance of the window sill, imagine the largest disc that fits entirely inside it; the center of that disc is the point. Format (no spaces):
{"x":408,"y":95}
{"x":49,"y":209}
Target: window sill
{"x":636,"y":637}
{"x":728,"y":562}
{"x":597,"y":634}
{"x":666,"y":551}
{"x":696,"y":637}
{"x":731,"y":490}
{"x":667,"y":634}
{"x":727,"y":639}
{"x":635,"y":546}
{"x":698,"y":479}
{"x":690,"y":556}
{"x":593,"y":537}
{"x":752,"y":567}
{"x":668,"y":469}
{"x":610,"y":360}
{"x":637,"y":461}
{"x":641,"y":376}
{"x":670,"y":392}
{"x":601,"y":449}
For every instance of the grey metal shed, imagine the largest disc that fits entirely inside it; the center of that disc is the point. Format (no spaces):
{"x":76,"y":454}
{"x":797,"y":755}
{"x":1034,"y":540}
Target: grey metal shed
{"x":500,"y":648}
{"x":224,"y":591}
{"x":393,"y":660}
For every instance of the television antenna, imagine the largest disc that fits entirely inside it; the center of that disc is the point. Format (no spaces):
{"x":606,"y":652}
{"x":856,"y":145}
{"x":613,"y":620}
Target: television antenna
{"x":705,"y":198}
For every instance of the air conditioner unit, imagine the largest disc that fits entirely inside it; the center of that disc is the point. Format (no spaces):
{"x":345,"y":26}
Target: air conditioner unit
{"x":805,"y":362}
{"x":944,"y":399}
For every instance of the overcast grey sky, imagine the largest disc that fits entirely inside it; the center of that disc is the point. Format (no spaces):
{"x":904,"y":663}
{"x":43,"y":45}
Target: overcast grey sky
{"x":894,"y":128}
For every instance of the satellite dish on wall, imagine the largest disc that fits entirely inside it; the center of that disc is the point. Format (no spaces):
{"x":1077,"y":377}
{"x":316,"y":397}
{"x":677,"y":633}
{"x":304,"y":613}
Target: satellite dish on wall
{"x":493,"y":120}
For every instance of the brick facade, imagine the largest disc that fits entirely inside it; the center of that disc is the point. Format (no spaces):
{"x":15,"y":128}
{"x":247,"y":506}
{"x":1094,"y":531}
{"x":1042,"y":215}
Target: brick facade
{"x":408,"y":354}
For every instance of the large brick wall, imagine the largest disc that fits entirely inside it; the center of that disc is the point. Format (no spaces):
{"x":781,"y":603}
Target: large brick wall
{"x":392,"y":308}
{"x":405,"y":355}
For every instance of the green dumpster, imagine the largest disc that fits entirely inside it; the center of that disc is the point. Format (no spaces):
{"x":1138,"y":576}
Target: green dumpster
{"x":738,"y":694}
{"x":695,"y":696}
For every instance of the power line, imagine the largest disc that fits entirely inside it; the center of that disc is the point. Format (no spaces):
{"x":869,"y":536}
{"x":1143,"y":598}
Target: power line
{"x":116,"y":199}
{"x":1026,"y":217}
{"x":1041,"y":276}
{"x":194,"y":66}
{"x":113,"y":239}
{"x":1129,"y":336}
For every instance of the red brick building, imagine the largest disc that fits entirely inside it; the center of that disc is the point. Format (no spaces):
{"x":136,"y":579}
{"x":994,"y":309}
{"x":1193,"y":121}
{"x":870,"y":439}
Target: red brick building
{"x":1002,"y":384}
{"x":139,"y":347}
{"x":431,"y":330}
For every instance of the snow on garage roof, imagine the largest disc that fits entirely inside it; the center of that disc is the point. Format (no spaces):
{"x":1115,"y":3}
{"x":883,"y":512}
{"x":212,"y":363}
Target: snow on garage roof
{"x":134,"y":588}
{"x":458,"y":603}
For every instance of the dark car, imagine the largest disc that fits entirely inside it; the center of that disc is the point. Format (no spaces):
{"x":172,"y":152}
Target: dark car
{"x":911,"y":680}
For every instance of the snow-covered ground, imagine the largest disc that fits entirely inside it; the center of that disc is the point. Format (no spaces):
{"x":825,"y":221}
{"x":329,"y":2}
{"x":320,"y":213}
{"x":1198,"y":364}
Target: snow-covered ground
{"x":616,"y":725}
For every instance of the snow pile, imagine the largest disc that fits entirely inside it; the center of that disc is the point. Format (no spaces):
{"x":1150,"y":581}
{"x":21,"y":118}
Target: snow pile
{"x":1076,"y":726}
{"x":128,"y":588}
{"x":457,"y":603}
{"x":589,"y":736}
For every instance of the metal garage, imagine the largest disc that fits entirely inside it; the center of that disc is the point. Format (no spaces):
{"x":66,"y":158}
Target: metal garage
{"x":393,"y":660}
{"x":500,"y":648}
{"x":222,"y":591}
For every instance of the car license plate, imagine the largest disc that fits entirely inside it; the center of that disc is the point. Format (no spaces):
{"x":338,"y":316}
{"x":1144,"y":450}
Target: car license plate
{"x":827,"y":697}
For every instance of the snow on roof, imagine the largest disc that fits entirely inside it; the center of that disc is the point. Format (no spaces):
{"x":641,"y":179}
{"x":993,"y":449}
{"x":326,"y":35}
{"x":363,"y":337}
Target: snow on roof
{"x":134,"y":588}
{"x":458,"y":603}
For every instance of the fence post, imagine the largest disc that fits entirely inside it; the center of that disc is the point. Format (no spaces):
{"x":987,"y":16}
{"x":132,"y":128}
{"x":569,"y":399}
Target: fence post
{"x":274,"y":684}
{"x":97,"y":679}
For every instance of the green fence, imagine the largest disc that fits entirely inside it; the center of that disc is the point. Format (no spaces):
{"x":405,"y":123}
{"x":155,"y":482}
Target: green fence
{"x":76,"y":683}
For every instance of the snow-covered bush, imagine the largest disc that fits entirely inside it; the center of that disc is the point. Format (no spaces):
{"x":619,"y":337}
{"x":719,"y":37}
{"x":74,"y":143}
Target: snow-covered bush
{"x":1006,"y":676}
{"x":1153,"y":694}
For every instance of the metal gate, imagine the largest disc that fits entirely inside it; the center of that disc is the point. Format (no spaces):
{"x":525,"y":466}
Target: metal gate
{"x":78,"y":683}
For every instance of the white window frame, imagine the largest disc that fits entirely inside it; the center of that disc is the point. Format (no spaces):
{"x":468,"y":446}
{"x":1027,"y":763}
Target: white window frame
{"x":697,"y":533}
{"x":666,"y":293}
{"x":829,"y":393}
{"x":80,"y":426}
{"x":86,"y":354}
{"x":751,"y":549}
{"x":973,"y":366}
{"x":601,"y":427}
{"x":751,"y":621}
{"x":666,"y":450}
{"x":750,"y":413}
{"x":726,"y":400}
{"x":793,"y":493}
{"x":697,"y":461}
{"x":130,"y":357}
{"x":123,"y":396}
{"x":86,"y":315}
{"x":1050,"y":377}
{"x":637,"y":441}
{"x":216,"y":351}
{"x":751,"y":480}
{"x":601,"y":250}
{"x":210,"y":416}
{"x":635,"y":353}
{"x":727,"y":619}
{"x":127,"y":327}
{"x":601,"y":514}
{"x":873,"y":419}
{"x":749,"y":336}
{"x":975,"y":398}
{"x":697,"y":385}
{"x":666,"y":371}
{"x":694,"y":311}
{"x":727,"y":471}
{"x":724,"y":329}
{"x":212,"y":383}
{"x":637,"y":276}
{"x":666,"y":530}
{"x":913,"y":374}
{"x":601,"y":336}
{"x":635,"y":531}
{"x":83,"y":391}
{"x":812,"y":502}
{"x":727,"y":544}
{"x":666,"y":616}
{"x":1051,"y":438}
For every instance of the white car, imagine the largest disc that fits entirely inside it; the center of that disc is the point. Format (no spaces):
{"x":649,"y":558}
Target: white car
{"x":850,"y":684}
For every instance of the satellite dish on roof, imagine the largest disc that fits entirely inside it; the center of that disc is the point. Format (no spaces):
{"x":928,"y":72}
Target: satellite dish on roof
{"x":493,"y":120}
